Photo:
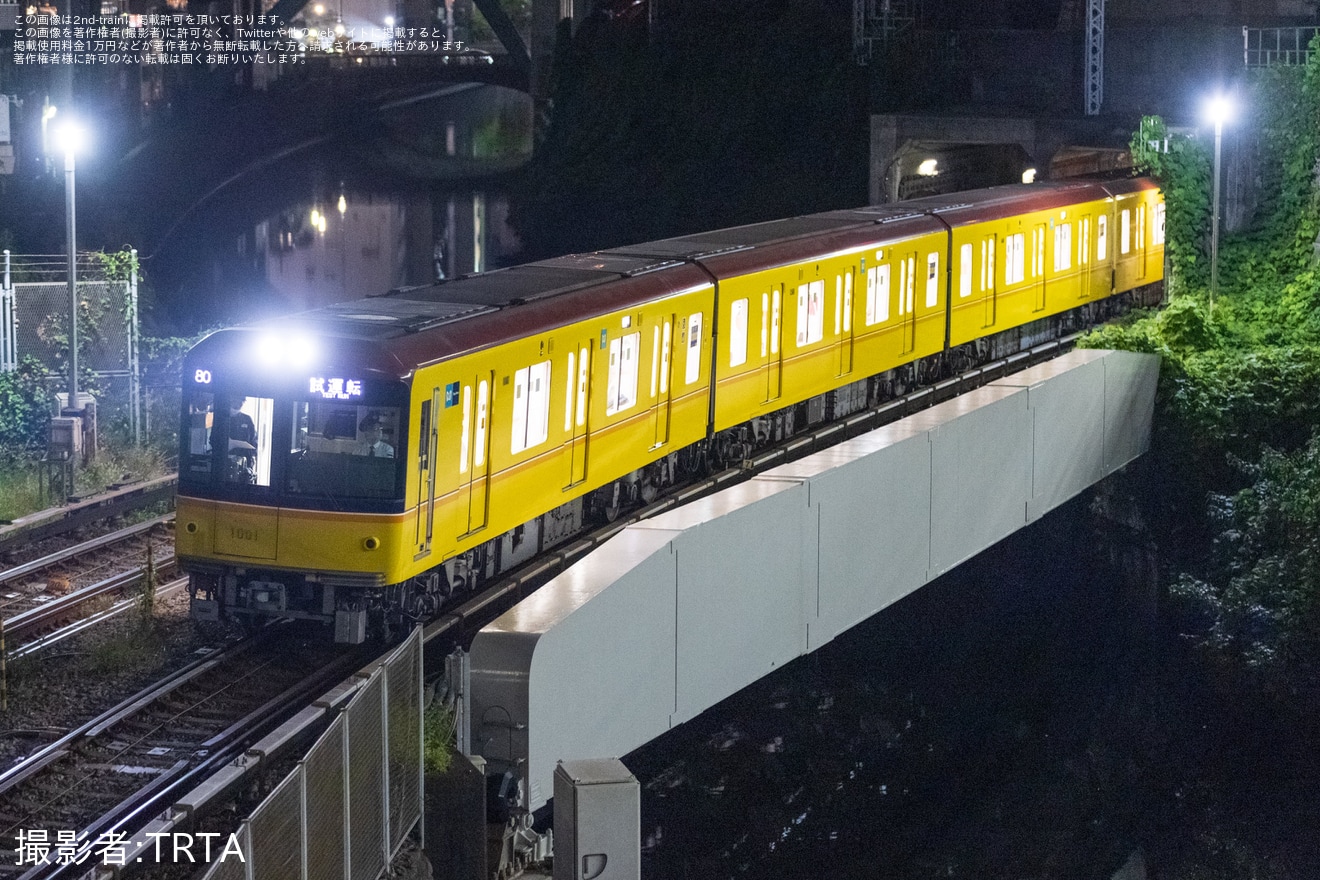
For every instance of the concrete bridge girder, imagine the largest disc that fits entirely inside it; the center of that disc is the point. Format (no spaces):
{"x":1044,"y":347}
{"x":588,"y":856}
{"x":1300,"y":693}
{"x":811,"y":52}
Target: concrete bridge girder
{"x":670,"y":616}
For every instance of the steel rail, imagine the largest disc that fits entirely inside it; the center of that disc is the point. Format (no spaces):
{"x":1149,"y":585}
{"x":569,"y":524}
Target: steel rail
{"x":57,"y":521}
{"x":28,"y":568}
{"x":42,"y":642}
{"x":27,"y":625}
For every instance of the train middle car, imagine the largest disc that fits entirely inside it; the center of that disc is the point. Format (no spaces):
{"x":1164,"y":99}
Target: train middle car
{"x":358,"y":463}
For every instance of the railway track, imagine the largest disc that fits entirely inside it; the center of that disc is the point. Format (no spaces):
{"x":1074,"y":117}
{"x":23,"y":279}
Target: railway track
{"x":39,"y":598}
{"x":113,"y":774}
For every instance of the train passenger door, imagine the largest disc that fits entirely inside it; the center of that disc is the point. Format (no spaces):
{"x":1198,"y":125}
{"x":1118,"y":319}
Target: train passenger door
{"x":772,"y":325}
{"x":843,"y":307}
{"x":907,"y":313}
{"x":474,"y":455}
{"x":575,"y":418}
{"x":989,"y":284}
{"x":662,"y":336}
{"x":1038,"y":237}
{"x":428,"y":438}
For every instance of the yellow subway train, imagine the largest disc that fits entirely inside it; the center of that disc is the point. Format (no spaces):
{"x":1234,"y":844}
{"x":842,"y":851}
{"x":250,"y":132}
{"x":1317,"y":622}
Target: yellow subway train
{"x":359,"y":463}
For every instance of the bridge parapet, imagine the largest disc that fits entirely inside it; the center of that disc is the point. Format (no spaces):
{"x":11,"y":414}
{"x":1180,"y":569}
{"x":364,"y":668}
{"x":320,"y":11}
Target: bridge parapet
{"x":679,"y":612}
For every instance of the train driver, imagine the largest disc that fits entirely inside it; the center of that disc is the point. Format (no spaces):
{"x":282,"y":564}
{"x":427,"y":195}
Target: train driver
{"x":374,"y":434}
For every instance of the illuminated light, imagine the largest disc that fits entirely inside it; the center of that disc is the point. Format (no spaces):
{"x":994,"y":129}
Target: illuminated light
{"x":301,"y":351}
{"x":315,"y":218}
{"x":319,"y":9}
{"x":343,"y":202}
{"x":1029,"y":176}
{"x":389,"y":21}
{"x":48,"y":112}
{"x":334,"y":388}
{"x":339,"y":29}
{"x":1219,"y":109}
{"x":69,"y":137}
{"x":268,"y":350}
{"x":320,"y":224}
{"x":928,"y":168}
{"x":313,"y":33}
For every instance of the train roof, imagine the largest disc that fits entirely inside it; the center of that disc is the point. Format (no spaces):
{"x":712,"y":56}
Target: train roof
{"x":397,"y":332}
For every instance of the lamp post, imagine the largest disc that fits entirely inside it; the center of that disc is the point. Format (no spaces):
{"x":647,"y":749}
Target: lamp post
{"x":1218,"y":111}
{"x":70,"y":138}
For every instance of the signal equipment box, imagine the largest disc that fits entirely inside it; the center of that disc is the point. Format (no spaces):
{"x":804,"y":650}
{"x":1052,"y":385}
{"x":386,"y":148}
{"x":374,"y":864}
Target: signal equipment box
{"x":597,"y":821}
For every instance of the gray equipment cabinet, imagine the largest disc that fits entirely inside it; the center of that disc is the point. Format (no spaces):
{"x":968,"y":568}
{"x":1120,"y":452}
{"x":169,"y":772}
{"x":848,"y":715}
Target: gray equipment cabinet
{"x":597,"y":821}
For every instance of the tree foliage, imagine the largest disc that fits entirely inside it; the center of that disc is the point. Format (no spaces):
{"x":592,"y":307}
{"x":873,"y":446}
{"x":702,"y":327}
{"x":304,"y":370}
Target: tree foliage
{"x":25,"y":407}
{"x":1235,"y":502}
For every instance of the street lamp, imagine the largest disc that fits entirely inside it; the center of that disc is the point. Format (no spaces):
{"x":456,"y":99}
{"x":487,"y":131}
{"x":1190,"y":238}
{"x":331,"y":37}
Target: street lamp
{"x":1218,"y":110}
{"x":69,"y":139}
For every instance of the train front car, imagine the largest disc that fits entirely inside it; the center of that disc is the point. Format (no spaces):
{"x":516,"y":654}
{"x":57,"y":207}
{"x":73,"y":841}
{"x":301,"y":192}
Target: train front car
{"x":292,"y":478}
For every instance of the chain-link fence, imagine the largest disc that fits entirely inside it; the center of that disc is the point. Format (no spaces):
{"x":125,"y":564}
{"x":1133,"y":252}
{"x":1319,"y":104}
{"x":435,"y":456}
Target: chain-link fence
{"x":34,"y":323}
{"x":349,"y":805}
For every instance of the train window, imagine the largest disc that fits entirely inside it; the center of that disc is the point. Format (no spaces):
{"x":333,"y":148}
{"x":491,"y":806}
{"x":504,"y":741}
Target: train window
{"x":1101,"y":237}
{"x":483,"y":399}
{"x":464,"y":439}
{"x":693,"y":367}
{"x":1141,"y":226}
{"x":1124,"y":231}
{"x":570,"y":377}
{"x":1084,"y":241}
{"x":775,"y":296}
{"x":932,"y":280}
{"x":810,"y":313}
{"x":424,"y":437}
{"x":1062,"y":247}
{"x":877,"y":295}
{"x":1015,"y":258}
{"x":909,"y":283}
{"x":584,"y":361}
{"x":666,"y":341}
{"x":1038,"y":251}
{"x":838,"y":305}
{"x":847,"y":302}
{"x":738,"y":333}
{"x":765,"y":324}
{"x":249,"y":421}
{"x":1157,"y":233}
{"x":988,"y":263}
{"x":344,"y":451}
{"x":201,"y":418}
{"x":621,"y":387}
{"x":965,"y":270}
{"x":531,"y":405}
{"x":655,"y":360}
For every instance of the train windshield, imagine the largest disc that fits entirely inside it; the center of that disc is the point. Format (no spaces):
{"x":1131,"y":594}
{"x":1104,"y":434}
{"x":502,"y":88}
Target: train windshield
{"x":342,"y":450}
{"x":312,"y":452}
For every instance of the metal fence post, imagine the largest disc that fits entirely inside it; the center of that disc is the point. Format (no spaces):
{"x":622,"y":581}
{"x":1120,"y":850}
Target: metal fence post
{"x":8,"y":339}
{"x":134,"y":339}
{"x":387,"y":843}
{"x":346,"y":753}
{"x":421,"y":738}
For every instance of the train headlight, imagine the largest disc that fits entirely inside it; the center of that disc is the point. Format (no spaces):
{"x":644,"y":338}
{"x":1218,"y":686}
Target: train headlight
{"x":371,"y":543}
{"x":191,"y":528}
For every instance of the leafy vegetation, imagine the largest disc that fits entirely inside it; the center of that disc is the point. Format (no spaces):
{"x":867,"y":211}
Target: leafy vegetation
{"x":1231,"y":492}
{"x":1234,"y":502}
{"x":438,"y":743}
{"x":24,"y":410}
